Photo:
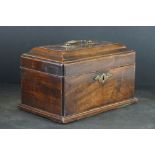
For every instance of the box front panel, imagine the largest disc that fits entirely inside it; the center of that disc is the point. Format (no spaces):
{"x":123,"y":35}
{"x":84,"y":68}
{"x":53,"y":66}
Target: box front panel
{"x":41,"y":90}
{"x":100,"y":63}
{"x":85,"y":92}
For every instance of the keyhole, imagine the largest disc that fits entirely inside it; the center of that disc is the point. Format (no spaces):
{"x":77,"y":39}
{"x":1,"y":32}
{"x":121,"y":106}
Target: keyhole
{"x":103,"y":78}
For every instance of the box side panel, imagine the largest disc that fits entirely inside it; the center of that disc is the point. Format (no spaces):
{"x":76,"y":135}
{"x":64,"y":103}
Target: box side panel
{"x":41,"y":65}
{"x":41,"y":90}
{"x":83,"y":93}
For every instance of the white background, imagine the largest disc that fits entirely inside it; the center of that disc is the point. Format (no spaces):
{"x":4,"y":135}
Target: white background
{"x":77,"y":13}
{"x":77,"y":142}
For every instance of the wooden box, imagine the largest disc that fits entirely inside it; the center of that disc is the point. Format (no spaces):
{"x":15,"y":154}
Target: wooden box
{"x":77,"y":79}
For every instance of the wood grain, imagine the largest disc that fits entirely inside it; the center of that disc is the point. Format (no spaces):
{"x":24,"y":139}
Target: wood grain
{"x":99,"y":64}
{"x":75,"y":117}
{"x":42,"y":91}
{"x":83,"y":93}
{"x":42,"y":65}
{"x":58,"y":82}
{"x":63,"y":54}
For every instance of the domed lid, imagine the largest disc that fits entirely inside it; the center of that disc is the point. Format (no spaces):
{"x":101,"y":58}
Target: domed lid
{"x":76,"y":50}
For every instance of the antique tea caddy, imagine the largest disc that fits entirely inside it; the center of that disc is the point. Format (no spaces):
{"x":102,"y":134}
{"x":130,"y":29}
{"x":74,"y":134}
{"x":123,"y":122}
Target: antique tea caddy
{"x":77,"y":79}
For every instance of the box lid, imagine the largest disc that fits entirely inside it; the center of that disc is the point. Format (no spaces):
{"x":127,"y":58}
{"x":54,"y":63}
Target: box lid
{"x":76,"y":50}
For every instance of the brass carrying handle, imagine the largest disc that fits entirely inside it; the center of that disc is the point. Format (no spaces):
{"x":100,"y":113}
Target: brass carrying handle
{"x":73,"y":42}
{"x":103,"y":77}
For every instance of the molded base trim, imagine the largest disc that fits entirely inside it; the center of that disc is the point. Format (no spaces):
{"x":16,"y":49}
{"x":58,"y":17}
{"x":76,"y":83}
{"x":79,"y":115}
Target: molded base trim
{"x":70,"y":118}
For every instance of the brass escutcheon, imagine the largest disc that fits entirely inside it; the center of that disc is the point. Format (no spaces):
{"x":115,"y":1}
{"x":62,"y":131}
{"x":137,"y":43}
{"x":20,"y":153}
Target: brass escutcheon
{"x":103,"y":77}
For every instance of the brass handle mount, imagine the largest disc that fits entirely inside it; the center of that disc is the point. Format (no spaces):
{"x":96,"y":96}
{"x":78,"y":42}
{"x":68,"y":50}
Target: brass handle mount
{"x":74,"y":42}
{"x":102,"y":77}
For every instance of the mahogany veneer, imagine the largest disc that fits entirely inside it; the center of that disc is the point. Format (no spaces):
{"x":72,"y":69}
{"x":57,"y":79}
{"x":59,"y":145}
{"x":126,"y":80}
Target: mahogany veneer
{"x":77,"y":79}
